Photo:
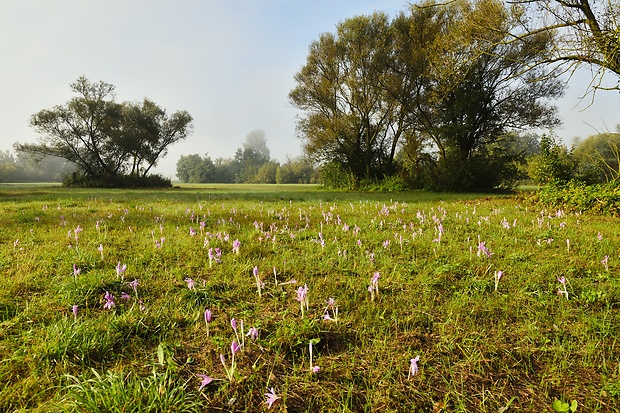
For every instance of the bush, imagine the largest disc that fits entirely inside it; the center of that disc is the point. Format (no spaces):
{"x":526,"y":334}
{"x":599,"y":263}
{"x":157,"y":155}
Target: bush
{"x":577,"y":196}
{"x":335,"y":176}
{"x":80,"y":180}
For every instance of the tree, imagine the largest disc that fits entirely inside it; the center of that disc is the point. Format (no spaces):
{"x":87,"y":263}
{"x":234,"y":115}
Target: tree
{"x":555,"y":163}
{"x":349,"y":118}
{"x":195,"y":169}
{"x":471,"y":86}
{"x":257,"y":143}
{"x":584,"y":33}
{"x":106,"y":139}
{"x":598,"y":157}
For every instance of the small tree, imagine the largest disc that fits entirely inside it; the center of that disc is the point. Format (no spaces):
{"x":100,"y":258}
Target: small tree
{"x":555,"y":163}
{"x":105,"y":139}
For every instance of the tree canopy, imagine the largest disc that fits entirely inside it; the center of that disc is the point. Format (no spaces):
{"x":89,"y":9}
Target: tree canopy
{"x":445,"y":79}
{"x":583,"y":32}
{"x":106,"y":139}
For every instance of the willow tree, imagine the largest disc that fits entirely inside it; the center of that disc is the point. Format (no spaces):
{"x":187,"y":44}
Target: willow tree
{"x":348,"y":116}
{"x":105,"y":139}
{"x":472,"y":86}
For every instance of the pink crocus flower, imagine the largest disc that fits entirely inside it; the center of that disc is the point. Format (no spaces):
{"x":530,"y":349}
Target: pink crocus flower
{"x":74,"y":310}
{"x":498,"y":276}
{"x":252,"y":333}
{"x":562,"y":290}
{"x":76,"y":271}
{"x":413,"y":368}
{"x":206,"y":380}
{"x":190,"y":283}
{"x":271,"y":397}
{"x":234,"y":347}
{"x":605,"y":262}
{"x":236,"y":246}
{"x":373,"y":288}
{"x":120,"y":270}
{"x":109,"y":298}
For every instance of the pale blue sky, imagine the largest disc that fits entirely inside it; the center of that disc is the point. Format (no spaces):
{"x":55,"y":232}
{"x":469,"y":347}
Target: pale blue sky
{"x":230,"y":63}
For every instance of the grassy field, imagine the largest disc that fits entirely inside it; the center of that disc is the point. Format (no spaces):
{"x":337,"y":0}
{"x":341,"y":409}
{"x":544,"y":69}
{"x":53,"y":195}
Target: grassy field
{"x":253,"y":298}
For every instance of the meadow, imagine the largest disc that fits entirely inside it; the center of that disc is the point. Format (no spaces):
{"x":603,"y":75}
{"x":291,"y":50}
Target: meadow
{"x":291,"y":298}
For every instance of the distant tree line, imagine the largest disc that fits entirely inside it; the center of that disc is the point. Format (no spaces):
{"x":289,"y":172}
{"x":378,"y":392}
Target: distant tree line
{"x":250,"y":164}
{"x":27,"y":168}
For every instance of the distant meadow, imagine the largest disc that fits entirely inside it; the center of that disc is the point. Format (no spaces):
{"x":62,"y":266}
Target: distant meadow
{"x":290,"y":298}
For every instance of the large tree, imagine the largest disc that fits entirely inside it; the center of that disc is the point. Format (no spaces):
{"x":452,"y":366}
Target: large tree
{"x":106,"y":139}
{"x":472,"y":86}
{"x":348,"y":117}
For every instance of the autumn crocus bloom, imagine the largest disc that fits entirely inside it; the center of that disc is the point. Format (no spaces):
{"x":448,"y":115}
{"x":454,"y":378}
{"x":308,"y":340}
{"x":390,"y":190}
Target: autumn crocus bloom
{"x":498,"y":276}
{"x":271,"y":397}
{"x":205,"y":381}
{"x":120,"y":269}
{"x":109,"y":298}
{"x":413,"y":368}
{"x":134,"y":285}
{"x":252,"y":333}
{"x":190,"y":283}
{"x":236,"y":246}
{"x":74,"y":310}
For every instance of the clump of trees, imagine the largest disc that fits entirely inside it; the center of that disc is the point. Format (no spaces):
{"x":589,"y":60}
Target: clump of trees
{"x":110,"y":143}
{"x":439,"y":95}
{"x":250,"y":164}
{"x":26,"y":168}
{"x":429,"y":95}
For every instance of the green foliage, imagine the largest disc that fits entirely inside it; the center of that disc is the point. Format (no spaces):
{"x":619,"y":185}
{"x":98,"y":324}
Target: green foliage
{"x":116,"y":392}
{"x":437,"y":297}
{"x":554,"y":163}
{"x":564,"y":407}
{"x":598,"y":158}
{"x":81,"y":180}
{"x":434,"y":79}
{"x":334,"y":175}
{"x":195,"y":169}
{"x":578,"y":196}
{"x":103,"y":138}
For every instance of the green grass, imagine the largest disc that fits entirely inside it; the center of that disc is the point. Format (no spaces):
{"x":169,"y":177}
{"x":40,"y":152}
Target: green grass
{"x":518,"y":348}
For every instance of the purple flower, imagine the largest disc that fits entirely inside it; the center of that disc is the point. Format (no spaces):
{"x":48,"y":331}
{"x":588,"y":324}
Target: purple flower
{"x":205,"y":381}
{"x":413,"y":368}
{"x":605,"y":263}
{"x":236,"y":246}
{"x":208,"y":316}
{"x":76,"y":271}
{"x":302,"y":293}
{"x":192,"y":231}
{"x":498,"y":276}
{"x":120,"y":270}
{"x":252,"y":333}
{"x":375,"y":279}
{"x":315,"y":369}
{"x":482,"y":249}
{"x":271,"y":397}
{"x":74,"y":310}
{"x":234,"y":347}
{"x":134,"y":285}
{"x":109,"y":301}
{"x":190,"y":283}
{"x":233,"y":324}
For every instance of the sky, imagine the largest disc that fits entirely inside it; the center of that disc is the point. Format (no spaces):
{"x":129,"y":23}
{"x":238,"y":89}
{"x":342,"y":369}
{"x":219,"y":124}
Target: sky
{"x":229,"y":63}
